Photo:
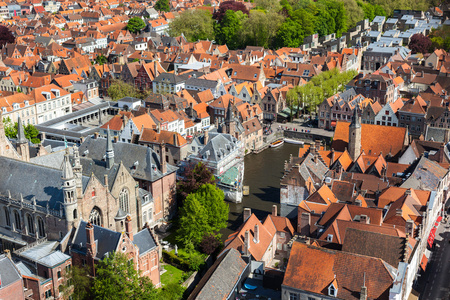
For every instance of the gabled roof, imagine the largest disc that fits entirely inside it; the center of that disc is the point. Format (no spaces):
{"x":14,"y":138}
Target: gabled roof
{"x":106,"y":240}
{"x":373,"y":140}
{"x":313,"y":269}
{"x":221,"y":278}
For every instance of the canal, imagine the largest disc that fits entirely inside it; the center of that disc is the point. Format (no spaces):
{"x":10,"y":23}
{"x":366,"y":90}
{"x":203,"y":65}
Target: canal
{"x":263,"y":172}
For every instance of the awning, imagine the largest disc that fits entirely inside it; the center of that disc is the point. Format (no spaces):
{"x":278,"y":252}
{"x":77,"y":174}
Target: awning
{"x":423,"y":262}
{"x":333,"y":123}
{"x":431,"y":237}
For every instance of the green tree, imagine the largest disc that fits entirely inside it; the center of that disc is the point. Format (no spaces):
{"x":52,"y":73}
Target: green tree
{"x":268,"y":5}
{"x":260,"y":28}
{"x":203,"y":212}
{"x":101,"y":59}
{"x":117,"y":278}
{"x":135,"y":25}
{"x":228,"y":31}
{"x":171,"y":291}
{"x":162,"y":5}
{"x":77,"y":284}
{"x":119,"y":89}
{"x":194,"y":24}
{"x":353,"y":11}
{"x":31,"y":133}
{"x":213,"y":200}
{"x":193,"y":221}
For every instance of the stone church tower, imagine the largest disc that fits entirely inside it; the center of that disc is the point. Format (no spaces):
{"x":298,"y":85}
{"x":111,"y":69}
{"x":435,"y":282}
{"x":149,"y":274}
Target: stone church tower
{"x":354,"y":136}
{"x":70,"y":191}
{"x":230,"y":122}
{"x":23,"y":148}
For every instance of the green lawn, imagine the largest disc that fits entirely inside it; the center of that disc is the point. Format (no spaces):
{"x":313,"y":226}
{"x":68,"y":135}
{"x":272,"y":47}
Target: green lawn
{"x":171,"y":275}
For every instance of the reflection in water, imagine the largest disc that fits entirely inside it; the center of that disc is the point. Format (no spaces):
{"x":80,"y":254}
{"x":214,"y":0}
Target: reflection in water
{"x":263,"y":172}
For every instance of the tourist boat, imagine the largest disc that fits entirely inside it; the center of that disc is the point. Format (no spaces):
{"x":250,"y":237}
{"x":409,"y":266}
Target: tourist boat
{"x":292,"y":141}
{"x":277,"y":143}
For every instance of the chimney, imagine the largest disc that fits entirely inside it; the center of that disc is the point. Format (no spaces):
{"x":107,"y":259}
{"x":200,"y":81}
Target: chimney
{"x":358,"y":202}
{"x":96,"y":134}
{"x":364,"y":219}
{"x":247,"y":243}
{"x":332,"y":157}
{"x":106,"y":180}
{"x":43,"y":137}
{"x":409,"y":228}
{"x":206,"y":137}
{"x":158,"y":128}
{"x":441,"y":152}
{"x":90,"y":241}
{"x":256,"y":239}
{"x":274,"y":210}
{"x":163,"y":158}
{"x":408,"y":192}
{"x":247,"y":214}
{"x":305,"y":223}
{"x":129,"y":227}
{"x":398,"y":212}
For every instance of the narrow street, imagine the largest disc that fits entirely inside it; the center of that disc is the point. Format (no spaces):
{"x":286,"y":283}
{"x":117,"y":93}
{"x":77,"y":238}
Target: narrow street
{"x":435,"y":283}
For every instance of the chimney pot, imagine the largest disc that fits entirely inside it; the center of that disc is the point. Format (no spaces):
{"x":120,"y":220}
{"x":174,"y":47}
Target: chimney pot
{"x":364,"y":219}
{"x":247,"y":243}
{"x":274,"y":210}
{"x":256,"y":239}
{"x":398,"y":212}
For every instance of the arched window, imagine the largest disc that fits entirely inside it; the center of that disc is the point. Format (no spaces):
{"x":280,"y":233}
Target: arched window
{"x":41,"y":227}
{"x":30,"y":224}
{"x":150,"y":215}
{"x":75,"y":214}
{"x":123,"y":201}
{"x":17,"y":221}
{"x":7,"y":217}
{"x":96,"y":217}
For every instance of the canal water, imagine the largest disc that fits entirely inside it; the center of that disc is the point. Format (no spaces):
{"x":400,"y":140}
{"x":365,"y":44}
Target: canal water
{"x":263,"y":172}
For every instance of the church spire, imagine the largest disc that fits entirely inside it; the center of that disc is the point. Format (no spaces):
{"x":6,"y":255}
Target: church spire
{"x":21,"y":139}
{"x":109,"y":151}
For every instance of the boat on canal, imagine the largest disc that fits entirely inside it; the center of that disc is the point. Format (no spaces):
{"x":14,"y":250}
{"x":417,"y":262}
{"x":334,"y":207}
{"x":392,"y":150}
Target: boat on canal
{"x":277,"y":143}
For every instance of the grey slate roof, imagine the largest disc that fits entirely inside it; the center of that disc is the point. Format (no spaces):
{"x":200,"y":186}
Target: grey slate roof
{"x":32,"y":180}
{"x":45,"y":254}
{"x":348,"y":94}
{"x":426,"y":176}
{"x":106,"y":240}
{"x":218,"y":146}
{"x":148,"y":167}
{"x":437,"y":134}
{"x":8,"y":272}
{"x":144,"y":241}
{"x":221,"y":278}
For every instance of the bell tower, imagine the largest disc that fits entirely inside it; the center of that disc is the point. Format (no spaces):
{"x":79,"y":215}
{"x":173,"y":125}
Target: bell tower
{"x":23,"y":148}
{"x":70,"y":191}
{"x":78,"y":172}
{"x":354,"y":136}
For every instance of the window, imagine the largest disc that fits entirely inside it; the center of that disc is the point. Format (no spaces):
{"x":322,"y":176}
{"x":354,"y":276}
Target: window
{"x":17,"y":221}
{"x":93,"y":193}
{"x":330,"y":238}
{"x":293,"y":296}
{"x":30,"y":224}
{"x":150,"y":215}
{"x":7,"y":217}
{"x":48,"y":294}
{"x":59,"y":274}
{"x":41,"y":227}
{"x":332,"y":291}
{"x":95,"y":217}
{"x":123,"y":200}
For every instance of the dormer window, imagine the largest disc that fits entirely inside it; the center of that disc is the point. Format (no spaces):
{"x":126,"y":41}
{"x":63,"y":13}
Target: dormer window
{"x":332,"y":290}
{"x":330,"y":238}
